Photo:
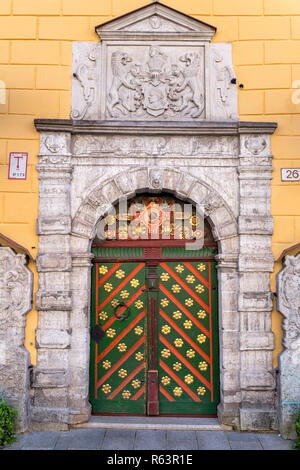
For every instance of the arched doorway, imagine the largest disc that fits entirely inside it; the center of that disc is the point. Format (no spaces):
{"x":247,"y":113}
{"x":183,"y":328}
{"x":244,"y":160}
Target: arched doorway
{"x":154,"y":311}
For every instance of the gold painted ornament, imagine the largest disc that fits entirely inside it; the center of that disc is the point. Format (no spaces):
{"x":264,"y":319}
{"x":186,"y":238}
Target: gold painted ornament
{"x":103,"y":270}
{"x":166,"y":380}
{"x":179,"y":268}
{"x":108,"y":287}
{"x":201,"y":338}
{"x":111,"y":333}
{"x":201,"y":314}
{"x":177,"y":391}
{"x":166,"y":329}
{"x":138,"y":330}
{"x":136,"y":383}
{"x":139,"y":356}
{"x":166,"y":353}
{"x":164,"y":277}
{"x":201,"y":267}
{"x":139,"y":304}
{"x":189,"y":302}
{"x":176,"y":288}
{"x":190,"y":279}
{"x":124,"y":294}
{"x":188,"y":324}
{"x":177,"y":315}
{"x":122,"y":347}
{"x":189,"y":379}
{"x":178,"y":342}
{"x":201,"y":391}
{"x":177,"y":366}
{"x":122,"y":373}
{"x":110,"y":220}
{"x":106,"y":388}
{"x":120,"y":274}
{"x":164,"y":302}
{"x":200,"y":289}
{"x":103,"y":316}
{"x":126,"y":394}
{"x":203,"y":366}
{"x":134,"y":283}
{"x":106,"y":365}
{"x":190,"y":353}
{"x":115,"y":303}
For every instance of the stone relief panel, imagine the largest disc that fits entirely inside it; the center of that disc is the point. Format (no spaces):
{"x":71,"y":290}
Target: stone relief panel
{"x":288,"y":303}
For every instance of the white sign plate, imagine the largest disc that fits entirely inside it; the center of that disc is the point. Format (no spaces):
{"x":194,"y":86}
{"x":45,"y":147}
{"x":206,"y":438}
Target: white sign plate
{"x":290,"y":174}
{"x":17,"y":168}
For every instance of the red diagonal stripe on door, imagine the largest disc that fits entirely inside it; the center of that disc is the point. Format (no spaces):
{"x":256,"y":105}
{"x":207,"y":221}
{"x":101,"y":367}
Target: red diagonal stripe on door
{"x":166,"y":394}
{"x":126,"y":381}
{"x":121,"y":335}
{"x":179,"y":381}
{"x":197,"y":274}
{"x":184,"y":335}
{"x":120,"y":286}
{"x":120,"y":362}
{"x":139,"y":393}
{"x":186,"y":288}
{"x":188,"y":314}
{"x":122,"y":309}
{"x":109,"y":273}
{"x":185,"y":362}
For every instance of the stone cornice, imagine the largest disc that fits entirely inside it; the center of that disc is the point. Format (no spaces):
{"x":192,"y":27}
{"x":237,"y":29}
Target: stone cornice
{"x":155,"y":128}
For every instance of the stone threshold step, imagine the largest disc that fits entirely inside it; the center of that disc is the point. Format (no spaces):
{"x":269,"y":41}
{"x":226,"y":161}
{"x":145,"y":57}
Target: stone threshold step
{"x":150,"y":423}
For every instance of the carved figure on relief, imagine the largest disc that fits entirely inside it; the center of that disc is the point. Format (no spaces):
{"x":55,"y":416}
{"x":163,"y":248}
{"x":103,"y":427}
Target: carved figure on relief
{"x":156,"y":88}
{"x":224,"y":75}
{"x":87,"y":78}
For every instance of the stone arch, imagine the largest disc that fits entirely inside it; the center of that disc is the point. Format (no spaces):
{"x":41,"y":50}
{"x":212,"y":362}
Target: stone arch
{"x":102,"y":196}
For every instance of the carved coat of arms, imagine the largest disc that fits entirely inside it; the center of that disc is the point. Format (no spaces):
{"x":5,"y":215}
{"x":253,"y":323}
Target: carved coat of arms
{"x":155,"y":88}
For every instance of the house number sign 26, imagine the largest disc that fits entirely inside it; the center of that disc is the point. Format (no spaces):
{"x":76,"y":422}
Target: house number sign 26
{"x":290,"y":174}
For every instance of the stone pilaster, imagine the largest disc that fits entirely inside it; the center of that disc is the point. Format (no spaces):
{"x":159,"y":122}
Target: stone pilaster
{"x":255,"y":298}
{"x":51,"y":377}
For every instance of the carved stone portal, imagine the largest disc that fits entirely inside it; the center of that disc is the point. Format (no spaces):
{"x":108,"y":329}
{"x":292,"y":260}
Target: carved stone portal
{"x":288,"y":292}
{"x":15,"y":301}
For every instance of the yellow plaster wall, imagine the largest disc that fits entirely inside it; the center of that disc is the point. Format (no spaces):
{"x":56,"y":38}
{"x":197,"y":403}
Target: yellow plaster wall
{"x":35,"y":64}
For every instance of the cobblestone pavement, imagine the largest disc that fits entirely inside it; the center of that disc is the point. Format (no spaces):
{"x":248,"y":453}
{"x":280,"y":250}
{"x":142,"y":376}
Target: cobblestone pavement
{"x":129,"y":439}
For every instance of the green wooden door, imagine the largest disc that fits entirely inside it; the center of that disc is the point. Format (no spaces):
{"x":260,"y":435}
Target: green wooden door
{"x":188,"y":338}
{"x":118,"y":360}
{"x":176,"y":324}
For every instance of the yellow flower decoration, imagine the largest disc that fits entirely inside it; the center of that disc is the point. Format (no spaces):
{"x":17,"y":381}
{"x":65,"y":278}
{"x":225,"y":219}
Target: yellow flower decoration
{"x":189,"y":379}
{"x":200,"y":288}
{"x":201,"y":267}
{"x":165,"y":380}
{"x":176,"y":288}
{"x":201,"y":391}
{"x":165,"y":277}
{"x":111,"y":333}
{"x":203,"y":365}
{"x":126,"y":394}
{"x":189,"y":302}
{"x":110,"y":219}
{"x":190,"y":279}
{"x":138,"y":330}
{"x":177,"y":315}
{"x":166,"y":329}
{"x":139,"y":304}
{"x":201,"y":314}
{"x":103,"y":269}
{"x":177,"y":391}
{"x":103,"y":316}
{"x":136,"y":383}
{"x":106,"y":365}
{"x":115,"y":303}
{"x":139,"y":356}
{"x":120,"y":274}
{"x":122,"y":373}
{"x":122,"y":347}
{"x":188,"y":324}
{"x":178,"y":342}
{"x":190,"y":353}
{"x":124,"y":294}
{"x":177,"y":366}
{"x":201,"y":338}
{"x":179,"y":268}
{"x":135,"y":283}
{"x":164,"y":302}
{"x":108,"y":287}
{"x":166,"y":353}
{"x":106,"y":389}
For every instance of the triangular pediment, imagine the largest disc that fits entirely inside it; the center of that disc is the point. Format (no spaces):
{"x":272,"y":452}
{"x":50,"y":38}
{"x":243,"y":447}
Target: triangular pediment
{"x":155,"y":20}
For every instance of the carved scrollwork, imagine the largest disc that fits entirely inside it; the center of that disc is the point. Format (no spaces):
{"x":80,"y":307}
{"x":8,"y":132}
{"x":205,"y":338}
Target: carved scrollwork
{"x":156,"y":88}
{"x":256,"y":145}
